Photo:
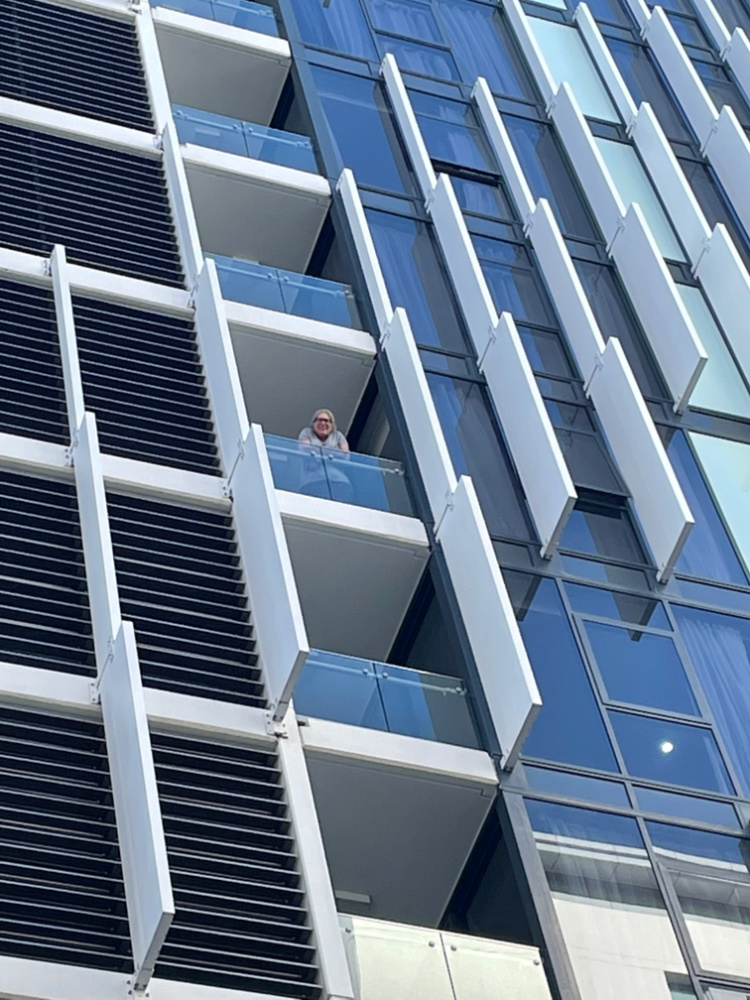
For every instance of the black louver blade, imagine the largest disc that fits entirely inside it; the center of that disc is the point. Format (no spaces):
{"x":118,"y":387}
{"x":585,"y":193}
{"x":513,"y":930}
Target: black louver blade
{"x":74,"y":61}
{"x":61,"y":891}
{"x":108,"y":207}
{"x":44,"y":610}
{"x":142,"y":376}
{"x":181,"y":584}
{"x":32,"y":392}
{"x":241,"y":920}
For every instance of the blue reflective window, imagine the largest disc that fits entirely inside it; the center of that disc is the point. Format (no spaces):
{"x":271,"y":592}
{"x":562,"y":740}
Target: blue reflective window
{"x":640,"y":668}
{"x":482,"y":45}
{"x":609,"y":12}
{"x":574,"y":823}
{"x":513,"y":285}
{"x":698,"y":845}
{"x":335,"y":24}
{"x":482,"y":199}
{"x":701,"y":179}
{"x":451,"y":133}
{"x":627,"y":608}
{"x":411,"y":18}
{"x":477,"y":450}
{"x":723,"y":90}
{"x":601,"y":530}
{"x":413,"y":57}
{"x":672,"y":752}
{"x":545,"y":351}
{"x":548,"y":174}
{"x":644,"y":83}
{"x":569,"y":727}
{"x":719,"y":646}
{"x":363,"y":130}
{"x":575,"y":786}
{"x":415,"y":280}
{"x":687,"y":806}
{"x":585,"y":456}
{"x":735,"y":14}
{"x":708,"y":552}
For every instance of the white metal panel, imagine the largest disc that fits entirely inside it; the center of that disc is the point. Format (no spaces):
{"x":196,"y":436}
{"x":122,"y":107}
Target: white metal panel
{"x":225,"y":391}
{"x":659,"y":502}
{"x":466,"y":274}
{"x":681,"y":204}
{"x":640,"y":12}
{"x":716,"y":28}
{"x":587,"y":160}
{"x":737,"y":57}
{"x":520,"y":22}
{"x":329,"y":945}
{"x":101,"y":578}
{"x":497,"y":134}
{"x":152,"y":67}
{"x":67,"y":335}
{"x":603,"y":58}
{"x":726,"y":283}
{"x":368,"y":259}
{"x":499,"y":653}
{"x":420,"y":414}
{"x":182,"y":205}
{"x":729,"y":152}
{"x":671,"y":333}
{"x":277,"y":615}
{"x":420,"y":158}
{"x":681,"y":74}
{"x":140,"y":831}
{"x":579,"y":323}
{"x":531,"y":437}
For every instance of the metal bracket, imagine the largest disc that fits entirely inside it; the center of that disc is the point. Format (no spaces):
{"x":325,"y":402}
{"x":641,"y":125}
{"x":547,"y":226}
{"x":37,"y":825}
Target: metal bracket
{"x":95,"y":686}
{"x":448,"y":506}
{"x":227,"y":488}
{"x":429,"y":201}
{"x":620,"y":228}
{"x":133,"y":991}
{"x":385,"y":334}
{"x":159,"y":139}
{"x":705,"y":248}
{"x":598,"y":365}
{"x":630,"y":127}
{"x":95,"y":696}
{"x":550,"y":105}
{"x":71,"y":450}
{"x":712,"y":132}
{"x":491,"y":339}
{"x":276,"y":727}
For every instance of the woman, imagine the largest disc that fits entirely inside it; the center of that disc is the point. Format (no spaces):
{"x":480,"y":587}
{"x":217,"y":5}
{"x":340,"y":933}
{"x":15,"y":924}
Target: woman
{"x":321,"y":476}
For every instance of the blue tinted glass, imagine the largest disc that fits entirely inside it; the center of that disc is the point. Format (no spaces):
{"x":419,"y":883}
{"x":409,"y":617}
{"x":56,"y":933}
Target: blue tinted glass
{"x":545,"y":351}
{"x":601,"y":530}
{"x":477,"y":450}
{"x":576,"y":786}
{"x":621,"y":607}
{"x":416,"y":280}
{"x":335,"y":24}
{"x":640,"y":668}
{"x":405,"y":17}
{"x":423,"y":59}
{"x":723,"y":90}
{"x":698,"y":844}
{"x":688,"y":807}
{"x":672,"y":752}
{"x":734,"y":14}
{"x":340,"y":688}
{"x":548,"y":174}
{"x":635,"y":64}
{"x":451,"y":133}
{"x":708,"y":552}
{"x":701,"y":179}
{"x":362,"y":129}
{"x":513,"y":285}
{"x":609,"y":11}
{"x":575,"y":823}
{"x":719,"y":646}
{"x":482,"y":46}
{"x":569,"y":727}
{"x":482,"y":199}
{"x":605,"y":573}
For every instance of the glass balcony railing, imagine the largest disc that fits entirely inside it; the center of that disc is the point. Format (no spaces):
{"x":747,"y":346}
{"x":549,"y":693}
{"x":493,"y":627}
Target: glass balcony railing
{"x":403,"y":962}
{"x":385,"y":697}
{"x":258,"y":142}
{"x":239,"y":13}
{"x":286,"y":291}
{"x":345,"y":476}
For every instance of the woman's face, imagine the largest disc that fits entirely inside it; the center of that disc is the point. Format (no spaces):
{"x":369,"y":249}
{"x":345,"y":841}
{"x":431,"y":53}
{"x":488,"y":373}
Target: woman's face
{"x":322,"y":425}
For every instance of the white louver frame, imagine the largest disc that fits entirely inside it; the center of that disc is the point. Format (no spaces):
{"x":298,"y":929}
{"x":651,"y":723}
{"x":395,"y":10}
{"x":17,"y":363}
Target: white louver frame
{"x":143,"y":848}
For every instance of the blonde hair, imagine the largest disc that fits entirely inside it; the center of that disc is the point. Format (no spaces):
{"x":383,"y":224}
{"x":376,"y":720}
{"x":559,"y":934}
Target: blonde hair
{"x":326,"y":413}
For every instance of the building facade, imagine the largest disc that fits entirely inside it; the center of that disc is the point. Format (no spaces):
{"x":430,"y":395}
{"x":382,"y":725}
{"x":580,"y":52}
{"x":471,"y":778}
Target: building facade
{"x":461,"y":713}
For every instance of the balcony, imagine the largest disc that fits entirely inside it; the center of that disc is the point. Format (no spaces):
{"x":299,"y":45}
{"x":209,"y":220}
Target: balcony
{"x":385,"y":697}
{"x":285,"y":291}
{"x":415,"y":963}
{"x":238,"y":13}
{"x":346,"y":477}
{"x":231,"y":135}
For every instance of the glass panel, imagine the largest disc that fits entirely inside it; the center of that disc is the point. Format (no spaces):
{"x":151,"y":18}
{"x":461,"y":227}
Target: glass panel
{"x":645,"y":84}
{"x":416,"y":280}
{"x":212,"y":131}
{"x":689,"y":31}
{"x":423,"y":59}
{"x":632,"y":183}
{"x":641,"y":668}
{"x":362,"y":128}
{"x":548,"y":175}
{"x":670,"y":752}
{"x":710,"y":875}
{"x":335,"y":24}
{"x":340,"y":688}
{"x":512,"y":283}
{"x":286,"y":291}
{"x":584,"y":455}
{"x":701,"y":179}
{"x":622,"y":607}
{"x":481,"y":199}
{"x":450,"y":132}
{"x":601,"y":530}
{"x":575,"y":786}
{"x":719,"y":646}
{"x":483,"y":46}
{"x":285,"y":148}
{"x":607,"y":573}
{"x":708,"y":552}
{"x":687,"y":806}
{"x":567,"y":59}
{"x":426,"y":705}
{"x":726,"y":465}
{"x":545,"y":351}
{"x":240,"y":13}
{"x":720,"y":386}
{"x":612,"y":915}
{"x":734,"y":14}
{"x":348,"y":477}
{"x":403,"y":17}
{"x":556,"y":4}
{"x":723,"y":90}
{"x":569,"y":727}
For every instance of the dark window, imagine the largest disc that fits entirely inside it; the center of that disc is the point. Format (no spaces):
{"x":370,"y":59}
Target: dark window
{"x":514,"y":286}
{"x":713,"y":204}
{"x":734,"y":14}
{"x":587,"y":460}
{"x":335,"y":24}
{"x":545,"y":351}
{"x":478,"y":198}
{"x":686,"y":806}
{"x":628,"y":608}
{"x":609,"y":12}
{"x":405,"y":17}
{"x":602,"y":529}
{"x":723,"y":90}
{"x":644,"y":83}
{"x":451,"y":133}
{"x":414,"y":57}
